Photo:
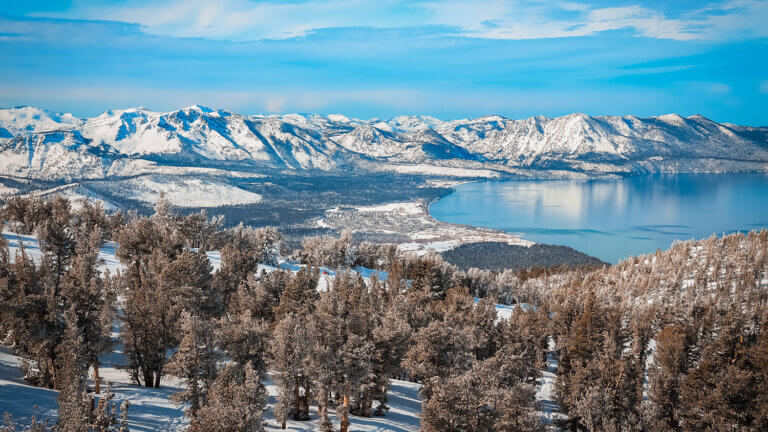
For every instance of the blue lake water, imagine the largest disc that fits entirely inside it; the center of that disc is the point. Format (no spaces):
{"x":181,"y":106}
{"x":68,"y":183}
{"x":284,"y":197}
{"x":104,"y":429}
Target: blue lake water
{"x":613,"y":219}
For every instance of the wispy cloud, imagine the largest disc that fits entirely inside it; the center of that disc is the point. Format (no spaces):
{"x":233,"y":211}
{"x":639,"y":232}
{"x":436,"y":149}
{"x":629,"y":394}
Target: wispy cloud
{"x":515,"y":20}
{"x":450,"y":59}
{"x":238,"y":100}
{"x":492,"y":19}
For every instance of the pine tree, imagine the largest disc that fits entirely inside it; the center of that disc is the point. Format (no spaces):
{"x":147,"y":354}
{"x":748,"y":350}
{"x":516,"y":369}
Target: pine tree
{"x":666,"y":376}
{"x":72,"y":365}
{"x":195,"y":361}
{"x":484,"y":398}
{"x":147,"y":246}
{"x":245,"y":340}
{"x":341,"y":358}
{"x":390,"y":342}
{"x":299,"y":295}
{"x":438,"y":351}
{"x":235,"y":403}
{"x":289,"y":357}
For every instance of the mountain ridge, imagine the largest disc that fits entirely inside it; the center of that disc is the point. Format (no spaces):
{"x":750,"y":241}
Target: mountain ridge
{"x":41,"y":144}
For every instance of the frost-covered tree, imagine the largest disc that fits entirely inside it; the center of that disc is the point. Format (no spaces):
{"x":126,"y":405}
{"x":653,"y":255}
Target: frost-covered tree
{"x":72,"y":365}
{"x":245,"y":340}
{"x":438,"y":351}
{"x":195,"y":361}
{"x":299,"y":294}
{"x":329,"y":251}
{"x":289,"y":358}
{"x":667,"y":374}
{"x":341,"y":358}
{"x":390,"y":343}
{"x":236,"y":401}
{"x":484,"y":398}
{"x":153,"y":253}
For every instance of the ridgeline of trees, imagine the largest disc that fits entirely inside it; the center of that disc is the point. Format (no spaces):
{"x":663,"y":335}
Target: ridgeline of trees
{"x":500,"y":256}
{"x":674,"y":341}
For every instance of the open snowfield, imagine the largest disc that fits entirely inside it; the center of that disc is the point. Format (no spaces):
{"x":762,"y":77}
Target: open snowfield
{"x":190,"y":192}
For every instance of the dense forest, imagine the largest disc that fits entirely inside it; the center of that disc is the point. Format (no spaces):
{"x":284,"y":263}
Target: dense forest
{"x":673,"y":341}
{"x":500,"y":256}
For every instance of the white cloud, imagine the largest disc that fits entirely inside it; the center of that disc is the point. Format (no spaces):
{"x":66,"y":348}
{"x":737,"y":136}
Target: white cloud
{"x":275,"y":104}
{"x":493,"y":19}
{"x":719,"y":88}
{"x":242,"y":19}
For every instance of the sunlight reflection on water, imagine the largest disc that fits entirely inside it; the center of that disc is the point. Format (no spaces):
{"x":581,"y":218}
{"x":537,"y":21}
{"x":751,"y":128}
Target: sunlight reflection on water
{"x":612,"y":219}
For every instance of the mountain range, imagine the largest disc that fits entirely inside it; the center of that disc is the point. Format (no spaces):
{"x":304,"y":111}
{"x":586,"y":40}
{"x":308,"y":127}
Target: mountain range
{"x":39,"y":144}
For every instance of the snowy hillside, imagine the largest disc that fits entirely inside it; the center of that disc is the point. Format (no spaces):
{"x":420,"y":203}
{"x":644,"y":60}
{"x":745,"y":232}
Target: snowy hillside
{"x":150,"y":408}
{"x":39,"y":144}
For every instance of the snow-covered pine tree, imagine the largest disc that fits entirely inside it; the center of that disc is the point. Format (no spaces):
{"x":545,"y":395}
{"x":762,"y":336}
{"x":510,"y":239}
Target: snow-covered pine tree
{"x":195,"y":361}
{"x":288,"y":361}
{"x":342,"y":355}
{"x":299,"y":295}
{"x":72,"y":367}
{"x":390,"y":341}
{"x":235,"y":403}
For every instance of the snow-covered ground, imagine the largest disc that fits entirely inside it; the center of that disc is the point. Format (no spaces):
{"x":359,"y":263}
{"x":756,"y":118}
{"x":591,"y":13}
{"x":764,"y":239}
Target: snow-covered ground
{"x":412,"y":227}
{"x":151,"y":410}
{"x":407,"y":208}
{"x":190,"y":192}
{"x":549,"y":409}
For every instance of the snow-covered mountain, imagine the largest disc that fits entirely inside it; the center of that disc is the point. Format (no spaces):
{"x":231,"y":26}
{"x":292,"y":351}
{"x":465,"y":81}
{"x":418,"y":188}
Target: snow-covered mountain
{"x":39,"y":144}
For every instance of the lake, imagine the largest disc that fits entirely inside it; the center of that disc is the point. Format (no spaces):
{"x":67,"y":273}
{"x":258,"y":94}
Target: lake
{"x":613,"y":219}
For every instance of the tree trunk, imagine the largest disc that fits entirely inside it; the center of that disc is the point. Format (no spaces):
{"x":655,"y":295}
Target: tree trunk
{"x":367,"y":403}
{"x":148,"y":377}
{"x":96,"y":378}
{"x":52,"y":370}
{"x":305,"y":400}
{"x":296,"y":401}
{"x":344,"y":412}
{"x":158,"y":374}
{"x":322,"y":403}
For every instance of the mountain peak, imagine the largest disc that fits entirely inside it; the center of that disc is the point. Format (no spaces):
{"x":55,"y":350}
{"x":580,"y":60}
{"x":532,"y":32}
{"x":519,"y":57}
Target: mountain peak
{"x":204,"y":136}
{"x":341,"y":118}
{"x":200,"y":109}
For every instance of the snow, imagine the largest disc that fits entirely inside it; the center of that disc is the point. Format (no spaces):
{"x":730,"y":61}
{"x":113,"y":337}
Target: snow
{"x":7,"y":190}
{"x":406,"y":208}
{"x":107,"y":259}
{"x":190,"y":192}
{"x":403,"y":415}
{"x":549,"y":409}
{"x":151,"y":409}
{"x":60,"y":146}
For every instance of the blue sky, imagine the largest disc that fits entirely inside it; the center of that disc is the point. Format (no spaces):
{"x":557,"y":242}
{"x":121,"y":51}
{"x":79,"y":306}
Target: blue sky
{"x":449,"y":59}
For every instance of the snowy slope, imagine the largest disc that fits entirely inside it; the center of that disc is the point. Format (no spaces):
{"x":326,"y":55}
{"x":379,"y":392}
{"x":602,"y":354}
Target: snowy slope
{"x":151,"y":409}
{"x":40,"y":144}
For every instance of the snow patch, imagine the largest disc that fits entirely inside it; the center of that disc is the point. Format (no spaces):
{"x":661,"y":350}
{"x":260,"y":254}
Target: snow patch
{"x":190,"y":192}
